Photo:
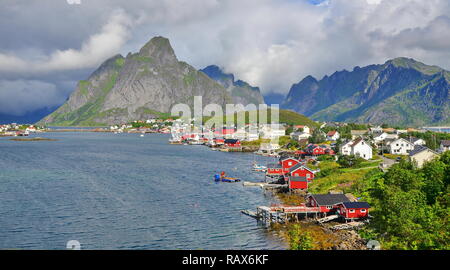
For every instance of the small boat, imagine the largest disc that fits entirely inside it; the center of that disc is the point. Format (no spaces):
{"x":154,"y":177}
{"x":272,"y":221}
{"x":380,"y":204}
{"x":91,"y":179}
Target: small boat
{"x":259,"y":168}
{"x":142,"y":135}
{"x":223,"y":178}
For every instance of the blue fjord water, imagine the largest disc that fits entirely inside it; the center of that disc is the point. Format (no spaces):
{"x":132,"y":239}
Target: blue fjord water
{"x":122,"y":191}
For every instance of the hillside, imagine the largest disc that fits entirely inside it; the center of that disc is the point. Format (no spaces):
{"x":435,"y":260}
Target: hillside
{"x":400,"y":92}
{"x":139,"y":86}
{"x":285,"y":116}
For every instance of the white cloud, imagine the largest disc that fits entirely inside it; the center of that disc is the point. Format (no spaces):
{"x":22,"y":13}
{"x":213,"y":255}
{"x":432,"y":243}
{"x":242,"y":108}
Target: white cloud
{"x":94,"y":50}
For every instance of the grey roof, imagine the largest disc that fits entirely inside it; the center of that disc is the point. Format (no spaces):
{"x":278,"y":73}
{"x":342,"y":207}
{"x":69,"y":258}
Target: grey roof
{"x":417,"y":149}
{"x":298,"y":179}
{"x":273,"y":165}
{"x":329,"y":199}
{"x":356,"y":205}
{"x":298,"y":165}
{"x":445,"y":143}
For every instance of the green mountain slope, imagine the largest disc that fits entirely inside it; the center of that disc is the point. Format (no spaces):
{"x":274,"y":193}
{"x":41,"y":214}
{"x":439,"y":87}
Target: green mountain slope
{"x":401,"y":92}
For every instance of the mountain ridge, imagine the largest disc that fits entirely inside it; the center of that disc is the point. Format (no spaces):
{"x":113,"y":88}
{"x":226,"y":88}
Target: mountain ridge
{"x":401,"y":91}
{"x":141,"y":85}
{"x":242,"y":92}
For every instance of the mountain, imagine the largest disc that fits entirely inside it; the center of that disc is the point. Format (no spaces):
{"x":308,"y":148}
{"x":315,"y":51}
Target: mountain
{"x":401,"y":91}
{"x":274,"y":98}
{"x":242,"y":92}
{"x":138,"y":86}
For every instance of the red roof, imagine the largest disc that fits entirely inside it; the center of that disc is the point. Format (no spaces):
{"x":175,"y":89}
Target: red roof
{"x":331,"y":133}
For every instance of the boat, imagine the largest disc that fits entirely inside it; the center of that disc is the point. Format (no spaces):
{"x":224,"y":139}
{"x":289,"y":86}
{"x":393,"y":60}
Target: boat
{"x":259,"y":168}
{"x":222,"y":178}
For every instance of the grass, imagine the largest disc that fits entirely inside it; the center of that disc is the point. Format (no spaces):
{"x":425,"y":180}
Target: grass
{"x":394,"y":157}
{"x":333,"y":177}
{"x":285,"y":116}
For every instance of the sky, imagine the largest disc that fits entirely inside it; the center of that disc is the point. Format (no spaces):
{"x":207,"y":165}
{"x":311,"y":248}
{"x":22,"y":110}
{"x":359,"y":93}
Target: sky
{"x":47,"y":46}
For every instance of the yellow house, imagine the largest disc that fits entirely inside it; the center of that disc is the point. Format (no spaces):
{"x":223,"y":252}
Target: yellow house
{"x":422,"y":154}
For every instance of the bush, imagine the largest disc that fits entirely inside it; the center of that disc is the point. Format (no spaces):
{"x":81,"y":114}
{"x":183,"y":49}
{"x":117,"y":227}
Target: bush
{"x":349,"y":161}
{"x":300,"y":239}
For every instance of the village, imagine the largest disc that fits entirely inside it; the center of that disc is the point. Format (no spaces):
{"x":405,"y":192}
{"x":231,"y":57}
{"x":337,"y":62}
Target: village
{"x":15,"y":130}
{"x":302,"y":151}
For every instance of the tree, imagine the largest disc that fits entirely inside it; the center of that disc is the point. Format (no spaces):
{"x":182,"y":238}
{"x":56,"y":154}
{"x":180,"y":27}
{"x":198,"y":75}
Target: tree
{"x":317,"y":136}
{"x":349,"y":161}
{"x":433,"y":178}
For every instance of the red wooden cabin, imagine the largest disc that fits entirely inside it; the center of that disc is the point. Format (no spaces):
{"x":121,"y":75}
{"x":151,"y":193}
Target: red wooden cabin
{"x":297,"y":182}
{"x":274,"y":169}
{"x":326,"y":202}
{"x":287,"y":163}
{"x":232,"y":143}
{"x":353,"y":210}
{"x":219,"y":141}
{"x":301,"y":170}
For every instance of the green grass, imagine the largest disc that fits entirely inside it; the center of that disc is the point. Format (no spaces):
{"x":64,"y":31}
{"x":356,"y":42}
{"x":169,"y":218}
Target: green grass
{"x":140,"y":58}
{"x":84,"y":87}
{"x":285,"y":116}
{"x":120,"y":62}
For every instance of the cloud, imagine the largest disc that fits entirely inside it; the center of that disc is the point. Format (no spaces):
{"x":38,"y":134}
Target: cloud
{"x":269,"y":43}
{"x":93,"y":51}
{"x":21,"y":96}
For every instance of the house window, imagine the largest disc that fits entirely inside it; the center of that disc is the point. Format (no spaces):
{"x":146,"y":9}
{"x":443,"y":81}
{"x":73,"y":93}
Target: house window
{"x":362,"y":210}
{"x":308,"y":175}
{"x":351,"y":211}
{"x":329,"y":207}
{"x":290,"y":163}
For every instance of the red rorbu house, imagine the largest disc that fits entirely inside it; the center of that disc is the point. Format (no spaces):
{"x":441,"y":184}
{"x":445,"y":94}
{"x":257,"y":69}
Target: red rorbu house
{"x":353,"y":210}
{"x":287,"y":163}
{"x":316,"y":150}
{"x":299,"y":176}
{"x":326,"y":202}
{"x":232,"y":143}
{"x":225,"y":132}
{"x":274,"y":169}
{"x":301,"y":170}
{"x":298,"y":182}
{"x":219,"y":141}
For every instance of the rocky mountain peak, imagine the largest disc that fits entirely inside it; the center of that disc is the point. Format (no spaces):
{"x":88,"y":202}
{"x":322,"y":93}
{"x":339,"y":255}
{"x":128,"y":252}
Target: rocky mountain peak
{"x":159,"y":49}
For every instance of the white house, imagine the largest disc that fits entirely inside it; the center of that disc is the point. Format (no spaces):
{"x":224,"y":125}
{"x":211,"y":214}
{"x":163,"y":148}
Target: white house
{"x":333,"y":135}
{"x":300,"y":136}
{"x":422,"y":154}
{"x":358,"y":147}
{"x":272,"y":131}
{"x":380,"y":138}
{"x":400,"y":147}
{"x":375,"y":130}
{"x":346,"y":149}
{"x":269,"y":147}
{"x":417,"y":141}
{"x":303,"y":128}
